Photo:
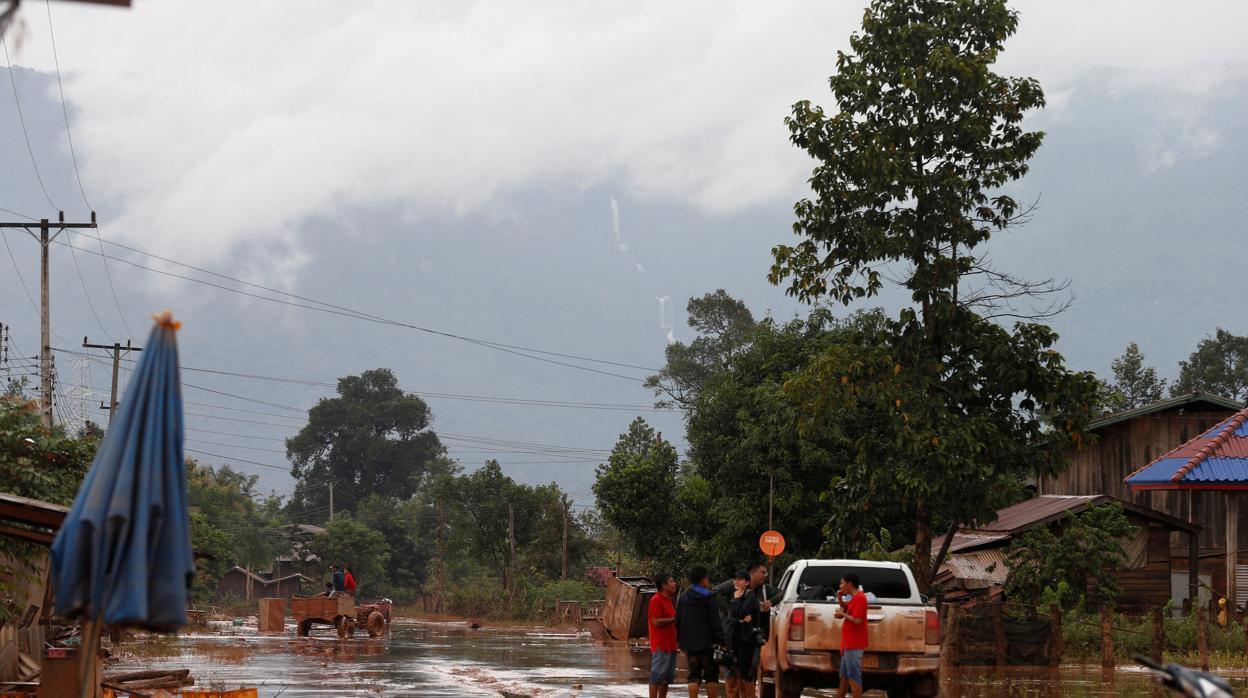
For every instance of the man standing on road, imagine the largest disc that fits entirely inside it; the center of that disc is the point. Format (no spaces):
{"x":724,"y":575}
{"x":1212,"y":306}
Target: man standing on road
{"x":662,"y":616}
{"x":853,"y":611}
{"x":699,"y":630}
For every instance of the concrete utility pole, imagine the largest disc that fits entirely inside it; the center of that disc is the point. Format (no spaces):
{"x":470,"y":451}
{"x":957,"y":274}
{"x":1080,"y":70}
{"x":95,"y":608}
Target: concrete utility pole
{"x":563,"y":570}
{"x":44,"y":237}
{"x":331,"y":501}
{"x":511,"y":562}
{"x":115,"y":349}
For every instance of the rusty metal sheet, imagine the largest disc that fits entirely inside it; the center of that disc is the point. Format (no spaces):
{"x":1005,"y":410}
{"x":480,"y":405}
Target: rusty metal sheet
{"x":986,"y":566}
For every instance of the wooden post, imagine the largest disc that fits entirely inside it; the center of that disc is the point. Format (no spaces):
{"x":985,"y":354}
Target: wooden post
{"x":949,"y":650}
{"x":1232,"y":548}
{"x":1159,"y":636}
{"x":1107,"y":638}
{"x":1245,"y":634}
{"x":998,"y":632}
{"x":1193,"y":569}
{"x":1202,"y":639}
{"x":1055,"y":635}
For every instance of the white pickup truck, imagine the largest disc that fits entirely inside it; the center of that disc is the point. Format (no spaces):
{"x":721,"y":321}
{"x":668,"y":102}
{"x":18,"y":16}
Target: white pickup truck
{"x":903,"y":652}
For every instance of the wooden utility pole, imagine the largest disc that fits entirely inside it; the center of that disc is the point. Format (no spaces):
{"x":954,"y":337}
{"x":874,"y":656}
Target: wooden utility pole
{"x":44,"y":237}
{"x":563,"y":569}
{"x":1232,"y":550}
{"x":331,"y":501}
{"x":511,"y":559}
{"x":115,"y":349}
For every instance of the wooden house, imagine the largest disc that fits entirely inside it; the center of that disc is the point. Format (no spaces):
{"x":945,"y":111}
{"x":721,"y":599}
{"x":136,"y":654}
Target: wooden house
{"x":1127,"y":441}
{"x":977,"y":562}
{"x":240,"y":583}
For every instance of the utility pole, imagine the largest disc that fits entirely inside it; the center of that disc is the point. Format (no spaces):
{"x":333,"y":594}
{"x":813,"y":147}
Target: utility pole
{"x":44,"y":237}
{"x":511,"y":562}
{"x":115,"y":350}
{"x":563,"y":569}
{"x":331,"y":501}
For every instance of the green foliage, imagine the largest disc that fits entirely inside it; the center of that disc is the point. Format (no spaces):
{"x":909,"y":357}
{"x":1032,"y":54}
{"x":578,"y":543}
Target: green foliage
{"x":639,"y":493}
{"x":883,"y":548}
{"x":1081,"y":637}
{"x":1219,"y":366}
{"x":942,"y":410}
{"x":724,"y":326}
{"x":38,"y":463}
{"x":347,"y":542}
{"x":742,"y":432}
{"x":1048,"y":567}
{"x":1135,"y":384}
{"x":372,"y":437}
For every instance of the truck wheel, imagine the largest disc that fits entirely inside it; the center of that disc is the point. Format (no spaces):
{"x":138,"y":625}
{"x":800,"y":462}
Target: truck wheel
{"x":788,"y":685}
{"x":376,"y":624}
{"x":305,"y":627}
{"x":897,"y":690}
{"x":344,"y":627}
{"x":766,"y":685}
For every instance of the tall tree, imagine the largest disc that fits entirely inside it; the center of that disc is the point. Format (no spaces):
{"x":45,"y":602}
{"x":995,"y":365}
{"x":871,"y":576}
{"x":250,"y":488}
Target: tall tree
{"x":909,"y":176}
{"x":639,"y":493}
{"x":1219,"y":366}
{"x":724,"y":325}
{"x":1135,"y":383}
{"x":372,"y":437}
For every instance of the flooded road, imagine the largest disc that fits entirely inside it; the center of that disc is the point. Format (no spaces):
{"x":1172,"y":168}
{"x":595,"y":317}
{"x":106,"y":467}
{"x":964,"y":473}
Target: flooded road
{"x":450,"y":659}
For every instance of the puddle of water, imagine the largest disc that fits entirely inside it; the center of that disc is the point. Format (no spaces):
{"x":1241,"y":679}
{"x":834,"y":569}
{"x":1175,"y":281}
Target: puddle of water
{"x":449,"y":659}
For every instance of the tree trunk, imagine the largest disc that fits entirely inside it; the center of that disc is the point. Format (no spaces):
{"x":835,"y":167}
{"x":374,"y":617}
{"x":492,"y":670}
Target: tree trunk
{"x":922,"y":544}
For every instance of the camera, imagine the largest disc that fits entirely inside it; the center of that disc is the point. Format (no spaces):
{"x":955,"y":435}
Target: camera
{"x":725,"y":656}
{"x":755,"y":636}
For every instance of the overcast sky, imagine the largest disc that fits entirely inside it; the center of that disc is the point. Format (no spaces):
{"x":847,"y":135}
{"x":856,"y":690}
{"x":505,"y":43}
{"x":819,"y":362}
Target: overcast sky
{"x":453,"y":165}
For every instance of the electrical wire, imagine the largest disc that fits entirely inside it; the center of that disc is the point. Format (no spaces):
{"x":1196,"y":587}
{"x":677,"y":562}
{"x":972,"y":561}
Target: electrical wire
{"x":73,"y":154}
{"x":22,"y":120}
{"x":330,"y":308}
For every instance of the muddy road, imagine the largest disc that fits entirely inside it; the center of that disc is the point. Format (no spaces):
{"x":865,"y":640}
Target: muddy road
{"x":450,"y":659}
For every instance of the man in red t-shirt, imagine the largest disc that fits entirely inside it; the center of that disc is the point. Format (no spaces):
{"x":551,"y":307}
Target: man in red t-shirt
{"x":853,"y":615}
{"x":662,"y":617}
{"x":348,"y":582}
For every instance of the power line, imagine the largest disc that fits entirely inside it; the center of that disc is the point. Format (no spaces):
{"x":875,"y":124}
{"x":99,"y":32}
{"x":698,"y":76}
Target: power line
{"x":330,"y":308}
{"x":73,"y":154}
{"x":22,"y":120}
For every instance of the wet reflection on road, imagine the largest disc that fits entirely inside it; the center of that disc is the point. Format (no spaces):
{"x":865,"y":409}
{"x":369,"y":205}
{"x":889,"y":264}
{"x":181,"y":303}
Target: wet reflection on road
{"x":450,"y":659}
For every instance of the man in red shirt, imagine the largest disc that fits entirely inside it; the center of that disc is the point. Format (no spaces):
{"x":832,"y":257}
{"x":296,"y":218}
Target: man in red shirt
{"x":348,"y":582}
{"x":853,"y":615}
{"x":662,"y":617}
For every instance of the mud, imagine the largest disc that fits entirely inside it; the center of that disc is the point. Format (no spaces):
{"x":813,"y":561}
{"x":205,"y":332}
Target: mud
{"x":451,"y":659}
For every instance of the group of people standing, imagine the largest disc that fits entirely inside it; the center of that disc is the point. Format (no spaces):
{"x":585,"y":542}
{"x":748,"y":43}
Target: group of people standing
{"x":720,"y":627}
{"x":726,"y":626}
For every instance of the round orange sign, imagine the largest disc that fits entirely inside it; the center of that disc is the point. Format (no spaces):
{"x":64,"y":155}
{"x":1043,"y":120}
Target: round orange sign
{"x":771,"y":543}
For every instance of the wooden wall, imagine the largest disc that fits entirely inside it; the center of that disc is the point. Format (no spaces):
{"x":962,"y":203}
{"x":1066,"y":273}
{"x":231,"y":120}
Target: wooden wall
{"x":1127,"y":446}
{"x":1148,"y":586}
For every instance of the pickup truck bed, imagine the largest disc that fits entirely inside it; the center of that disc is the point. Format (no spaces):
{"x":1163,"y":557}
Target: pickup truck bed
{"x":903,"y":652}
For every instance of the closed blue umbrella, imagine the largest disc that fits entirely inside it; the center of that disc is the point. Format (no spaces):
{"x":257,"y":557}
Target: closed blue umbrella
{"x":123,"y":555}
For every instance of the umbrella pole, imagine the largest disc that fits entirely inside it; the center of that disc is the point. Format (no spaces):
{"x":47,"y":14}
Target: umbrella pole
{"x":87,"y":662}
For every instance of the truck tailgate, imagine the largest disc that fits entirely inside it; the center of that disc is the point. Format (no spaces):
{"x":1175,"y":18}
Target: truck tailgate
{"x":890,"y":628}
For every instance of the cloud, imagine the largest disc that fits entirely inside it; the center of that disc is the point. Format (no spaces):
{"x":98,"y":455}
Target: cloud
{"x":209,"y":127}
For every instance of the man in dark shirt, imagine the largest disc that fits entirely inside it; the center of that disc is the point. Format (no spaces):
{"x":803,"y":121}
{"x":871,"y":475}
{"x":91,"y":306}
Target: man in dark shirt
{"x":338,"y":579}
{"x":699,"y":630}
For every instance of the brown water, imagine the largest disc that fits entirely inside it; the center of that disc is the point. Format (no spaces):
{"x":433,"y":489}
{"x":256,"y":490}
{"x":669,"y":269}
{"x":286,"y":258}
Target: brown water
{"x":449,"y":659}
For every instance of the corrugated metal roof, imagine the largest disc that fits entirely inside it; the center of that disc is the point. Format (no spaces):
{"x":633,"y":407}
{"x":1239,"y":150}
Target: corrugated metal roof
{"x":1216,"y":457}
{"x":1162,"y":405}
{"x":988,"y":566}
{"x":1038,"y":509}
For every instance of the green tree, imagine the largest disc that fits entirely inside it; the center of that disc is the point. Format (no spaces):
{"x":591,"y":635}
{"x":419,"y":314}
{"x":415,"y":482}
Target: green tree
{"x":724,"y":326}
{"x":1219,"y":366}
{"x":349,"y":542}
{"x":1135,"y":383}
{"x":638,"y":492}
{"x":943,"y":412}
{"x":1072,"y":556}
{"x":372,"y":437}
{"x":228,"y":503}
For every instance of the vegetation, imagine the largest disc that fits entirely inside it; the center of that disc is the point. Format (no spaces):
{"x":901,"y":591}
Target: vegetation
{"x":943,"y":408}
{"x":1219,"y":366}
{"x":1058,"y":567}
{"x":1135,"y":384}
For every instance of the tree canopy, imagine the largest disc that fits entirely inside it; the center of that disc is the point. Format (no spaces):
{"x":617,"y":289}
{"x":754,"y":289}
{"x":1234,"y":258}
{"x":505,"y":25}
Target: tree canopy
{"x":943,"y":410}
{"x":1135,"y":383}
{"x":724,"y":326}
{"x":372,"y":437}
{"x":1219,"y":366}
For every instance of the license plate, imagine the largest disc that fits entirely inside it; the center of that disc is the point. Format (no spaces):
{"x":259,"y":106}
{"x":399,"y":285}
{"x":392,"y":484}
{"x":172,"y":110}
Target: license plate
{"x":870,"y":661}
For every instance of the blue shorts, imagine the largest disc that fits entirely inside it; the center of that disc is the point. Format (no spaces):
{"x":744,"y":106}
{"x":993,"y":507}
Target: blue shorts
{"x":662,"y":668}
{"x":851,"y":665}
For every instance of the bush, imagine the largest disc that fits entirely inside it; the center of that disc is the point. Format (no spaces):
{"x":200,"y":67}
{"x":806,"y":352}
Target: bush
{"x":1133,"y":635}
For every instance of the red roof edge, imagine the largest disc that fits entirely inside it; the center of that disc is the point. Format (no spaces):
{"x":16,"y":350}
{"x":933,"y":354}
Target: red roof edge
{"x":1212,"y":447}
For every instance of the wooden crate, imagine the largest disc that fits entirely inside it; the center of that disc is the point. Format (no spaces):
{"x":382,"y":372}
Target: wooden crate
{"x":272,"y":615}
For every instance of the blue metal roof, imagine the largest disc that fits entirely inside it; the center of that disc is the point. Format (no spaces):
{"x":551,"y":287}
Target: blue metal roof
{"x":1216,"y":457}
